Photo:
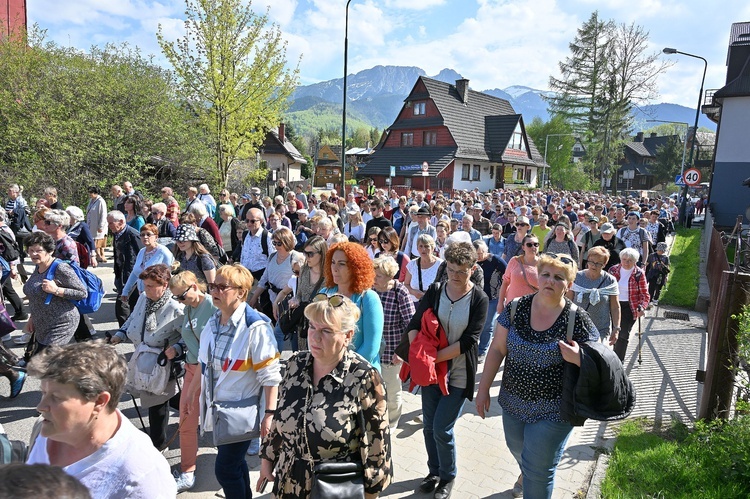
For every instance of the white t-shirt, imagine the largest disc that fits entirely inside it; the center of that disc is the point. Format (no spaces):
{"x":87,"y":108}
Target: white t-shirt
{"x":622,"y":284}
{"x":127,"y":466}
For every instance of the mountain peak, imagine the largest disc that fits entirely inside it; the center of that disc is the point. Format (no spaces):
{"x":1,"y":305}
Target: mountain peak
{"x":447,"y":75}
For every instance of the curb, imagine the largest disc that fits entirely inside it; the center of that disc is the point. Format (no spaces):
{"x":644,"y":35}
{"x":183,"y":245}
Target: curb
{"x":597,"y":477}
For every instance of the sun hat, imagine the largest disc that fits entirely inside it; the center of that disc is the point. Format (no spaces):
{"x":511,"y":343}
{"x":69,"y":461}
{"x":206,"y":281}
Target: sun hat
{"x":607,"y":228}
{"x":185,"y":233}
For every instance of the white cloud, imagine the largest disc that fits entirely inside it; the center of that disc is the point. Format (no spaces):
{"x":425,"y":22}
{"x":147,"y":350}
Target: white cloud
{"x":413,"y":4}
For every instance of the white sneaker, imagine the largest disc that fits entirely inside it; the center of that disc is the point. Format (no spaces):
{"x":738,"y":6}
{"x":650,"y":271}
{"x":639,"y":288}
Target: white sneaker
{"x":23,"y":339}
{"x":185,"y":481}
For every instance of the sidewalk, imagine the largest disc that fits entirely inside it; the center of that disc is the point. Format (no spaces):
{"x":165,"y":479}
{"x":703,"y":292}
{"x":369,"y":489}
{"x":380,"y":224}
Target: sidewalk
{"x":672,"y":350}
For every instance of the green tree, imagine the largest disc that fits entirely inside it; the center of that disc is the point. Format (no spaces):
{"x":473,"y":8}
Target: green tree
{"x":231,"y":69}
{"x":608,"y":70}
{"x":72,"y":119}
{"x":563,"y":172}
{"x":668,"y":160}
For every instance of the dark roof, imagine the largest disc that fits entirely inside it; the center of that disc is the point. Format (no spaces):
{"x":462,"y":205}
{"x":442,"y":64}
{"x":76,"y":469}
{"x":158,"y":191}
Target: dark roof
{"x":466,"y":121}
{"x":740,"y":34}
{"x":648,"y":148}
{"x":739,"y":87}
{"x":273,"y":145}
{"x":497,"y":133}
{"x":639,"y":169}
{"x":381,"y":160}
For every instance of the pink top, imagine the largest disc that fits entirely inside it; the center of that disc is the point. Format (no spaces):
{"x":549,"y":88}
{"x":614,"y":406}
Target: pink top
{"x":517,"y":285}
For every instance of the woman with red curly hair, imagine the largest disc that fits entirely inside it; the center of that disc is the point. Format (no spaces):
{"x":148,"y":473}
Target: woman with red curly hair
{"x":350,"y":272}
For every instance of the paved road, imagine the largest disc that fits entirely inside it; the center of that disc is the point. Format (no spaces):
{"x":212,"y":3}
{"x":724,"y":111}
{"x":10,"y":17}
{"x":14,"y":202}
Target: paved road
{"x":665,"y":382}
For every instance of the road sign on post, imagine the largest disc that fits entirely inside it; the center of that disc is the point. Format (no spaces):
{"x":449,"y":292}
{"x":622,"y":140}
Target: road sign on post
{"x":679,"y":181}
{"x":692,"y":177}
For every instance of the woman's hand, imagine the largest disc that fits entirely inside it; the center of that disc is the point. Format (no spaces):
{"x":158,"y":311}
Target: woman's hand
{"x":114,"y":340}
{"x":50,"y":287}
{"x":396,"y":360}
{"x":571,"y":352}
{"x":265,"y":425}
{"x":417,"y":293}
{"x":276,"y":311}
{"x":171,"y":353}
{"x":30,"y":325}
{"x":123,"y":298}
{"x":266,"y":473}
{"x":482,"y":401}
{"x":294,"y":302}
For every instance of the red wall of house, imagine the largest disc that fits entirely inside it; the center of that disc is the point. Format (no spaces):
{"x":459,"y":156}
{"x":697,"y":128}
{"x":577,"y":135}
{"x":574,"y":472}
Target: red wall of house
{"x":444,"y":138}
{"x":13,"y":16}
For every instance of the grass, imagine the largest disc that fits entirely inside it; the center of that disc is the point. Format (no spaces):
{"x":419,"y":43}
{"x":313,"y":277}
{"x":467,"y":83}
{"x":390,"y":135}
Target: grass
{"x":711,"y":461}
{"x":682,"y":286}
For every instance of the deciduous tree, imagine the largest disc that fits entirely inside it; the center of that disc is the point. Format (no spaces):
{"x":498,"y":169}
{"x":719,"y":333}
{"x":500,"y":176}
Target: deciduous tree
{"x":231,"y":68}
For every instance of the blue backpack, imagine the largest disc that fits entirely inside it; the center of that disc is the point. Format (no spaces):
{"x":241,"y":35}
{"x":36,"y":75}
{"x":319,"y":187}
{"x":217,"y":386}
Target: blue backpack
{"x":94,"y":286}
{"x":4,"y":270}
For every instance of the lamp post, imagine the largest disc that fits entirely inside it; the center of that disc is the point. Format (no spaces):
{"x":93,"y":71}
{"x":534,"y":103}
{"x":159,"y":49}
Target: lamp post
{"x":684,"y":144}
{"x":667,"y":50}
{"x":546,"y":141}
{"x":343,"y":125}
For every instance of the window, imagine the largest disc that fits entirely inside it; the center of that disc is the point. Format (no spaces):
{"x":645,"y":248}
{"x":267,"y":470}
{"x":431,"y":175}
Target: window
{"x":465,"y":170}
{"x":419,"y":108}
{"x":325,"y":155}
{"x":429,"y":138}
{"x":516,"y":140}
{"x":407,"y":181}
{"x":329,"y":172}
{"x":407,"y":139}
{"x":518,"y":174}
{"x":643,"y":180}
{"x":475,"y":172}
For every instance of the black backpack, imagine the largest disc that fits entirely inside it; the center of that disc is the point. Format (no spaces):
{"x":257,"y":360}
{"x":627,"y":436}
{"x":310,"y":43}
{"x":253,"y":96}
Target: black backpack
{"x":8,"y":247}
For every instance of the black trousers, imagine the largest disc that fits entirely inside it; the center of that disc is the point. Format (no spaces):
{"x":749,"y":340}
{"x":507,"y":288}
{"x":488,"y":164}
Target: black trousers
{"x":12,"y":297}
{"x":83,"y":332}
{"x":122,"y":310}
{"x":626,"y":324}
{"x":158,"y":418}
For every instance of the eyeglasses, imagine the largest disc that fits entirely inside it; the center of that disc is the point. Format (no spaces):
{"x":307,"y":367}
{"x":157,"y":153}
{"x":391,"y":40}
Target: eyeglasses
{"x":384,"y":241}
{"x":458,"y":272}
{"x":595,"y":264}
{"x":181,"y":296}
{"x":147,"y":234}
{"x":334,"y":300}
{"x":277,"y":243}
{"x":564,"y":259}
{"x":220,"y":287}
{"x":532,"y":245}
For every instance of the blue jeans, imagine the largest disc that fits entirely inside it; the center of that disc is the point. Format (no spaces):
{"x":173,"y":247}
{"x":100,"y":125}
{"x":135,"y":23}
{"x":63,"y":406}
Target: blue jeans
{"x":440,"y":413}
{"x":537,"y":447}
{"x":279,"y":335}
{"x":232,"y":472}
{"x":486,"y":337}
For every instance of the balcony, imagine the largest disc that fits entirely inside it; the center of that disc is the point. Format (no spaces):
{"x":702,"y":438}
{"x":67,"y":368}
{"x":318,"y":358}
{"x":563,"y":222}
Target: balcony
{"x":711,"y":108}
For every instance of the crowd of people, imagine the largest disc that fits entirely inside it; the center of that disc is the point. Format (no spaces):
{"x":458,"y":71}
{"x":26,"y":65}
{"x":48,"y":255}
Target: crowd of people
{"x":360,"y":292}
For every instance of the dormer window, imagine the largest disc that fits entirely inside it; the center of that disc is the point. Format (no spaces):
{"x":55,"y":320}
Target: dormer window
{"x":516,"y":140}
{"x":419,"y":108}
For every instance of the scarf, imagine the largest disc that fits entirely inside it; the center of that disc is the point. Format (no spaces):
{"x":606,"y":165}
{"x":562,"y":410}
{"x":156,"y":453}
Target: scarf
{"x":595,"y":294}
{"x":152,"y":307}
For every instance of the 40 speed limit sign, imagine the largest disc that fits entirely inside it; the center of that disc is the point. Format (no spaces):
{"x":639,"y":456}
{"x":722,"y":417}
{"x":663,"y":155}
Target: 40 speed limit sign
{"x":692,"y":177}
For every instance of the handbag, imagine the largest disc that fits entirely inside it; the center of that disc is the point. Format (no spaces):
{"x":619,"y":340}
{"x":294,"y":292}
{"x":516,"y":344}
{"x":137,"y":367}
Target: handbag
{"x":7,"y":325}
{"x":335,"y":479}
{"x":145,"y":373}
{"x":293,"y":319}
{"x":234,"y":421}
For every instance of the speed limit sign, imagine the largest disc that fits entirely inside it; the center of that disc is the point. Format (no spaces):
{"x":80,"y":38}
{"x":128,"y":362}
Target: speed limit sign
{"x":692,"y":177}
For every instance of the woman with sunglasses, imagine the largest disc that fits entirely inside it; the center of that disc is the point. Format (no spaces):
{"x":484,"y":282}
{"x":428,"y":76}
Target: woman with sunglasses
{"x":533,"y":345}
{"x":389,"y":242}
{"x":513,"y":241}
{"x":372,"y":246}
{"x":331,"y":408}
{"x":199,"y":308}
{"x":596,"y":291}
{"x":520,"y":277}
{"x":152,"y":253}
{"x":461,"y":309}
{"x":239,"y":346}
{"x":349,"y":272}
{"x":155,"y":321}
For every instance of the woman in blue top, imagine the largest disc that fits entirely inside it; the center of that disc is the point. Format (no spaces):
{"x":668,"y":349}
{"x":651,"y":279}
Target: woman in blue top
{"x":152,"y":253}
{"x":350,"y":272}
{"x":535,"y":348}
{"x":133,"y":212}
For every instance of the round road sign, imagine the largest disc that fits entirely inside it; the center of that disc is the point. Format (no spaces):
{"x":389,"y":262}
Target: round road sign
{"x":692,"y":177}
{"x":425,"y":166}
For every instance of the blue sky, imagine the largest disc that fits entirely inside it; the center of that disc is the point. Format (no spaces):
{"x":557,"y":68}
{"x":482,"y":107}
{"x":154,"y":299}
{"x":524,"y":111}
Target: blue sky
{"x":494,"y":43}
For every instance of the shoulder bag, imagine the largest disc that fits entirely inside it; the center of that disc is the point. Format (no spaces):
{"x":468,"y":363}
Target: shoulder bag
{"x":145,"y":372}
{"x":332,"y":479}
{"x":234,"y":421}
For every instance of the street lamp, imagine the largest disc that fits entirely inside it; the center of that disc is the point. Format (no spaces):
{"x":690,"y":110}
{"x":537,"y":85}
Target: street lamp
{"x":667,"y":50}
{"x":343,"y":127}
{"x":684,"y":144}
{"x":546,"y":141}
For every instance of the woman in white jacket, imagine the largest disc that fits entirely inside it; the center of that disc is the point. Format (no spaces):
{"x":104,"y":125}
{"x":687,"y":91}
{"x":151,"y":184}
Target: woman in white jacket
{"x":238,"y":345}
{"x":156,"y":321}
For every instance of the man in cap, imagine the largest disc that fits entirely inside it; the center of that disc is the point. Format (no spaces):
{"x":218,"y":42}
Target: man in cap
{"x":483,"y":225}
{"x":421,"y":227}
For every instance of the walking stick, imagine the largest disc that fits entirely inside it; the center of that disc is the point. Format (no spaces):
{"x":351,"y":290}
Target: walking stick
{"x":135,"y":404}
{"x":640,"y":333}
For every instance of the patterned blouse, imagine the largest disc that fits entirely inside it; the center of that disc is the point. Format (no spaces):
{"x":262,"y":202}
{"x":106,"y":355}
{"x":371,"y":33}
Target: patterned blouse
{"x":533,"y":378}
{"x":325,"y":423}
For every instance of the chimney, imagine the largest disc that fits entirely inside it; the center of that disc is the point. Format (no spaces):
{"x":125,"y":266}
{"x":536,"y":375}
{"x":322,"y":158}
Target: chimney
{"x":653,"y":134}
{"x":282,"y":129}
{"x":639,"y":137}
{"x":462,"y":87}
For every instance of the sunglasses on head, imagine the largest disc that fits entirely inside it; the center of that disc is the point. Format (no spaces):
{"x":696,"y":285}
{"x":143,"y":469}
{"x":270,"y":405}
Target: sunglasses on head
{"x":562,"y":258}
{"x":334,"y":301}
